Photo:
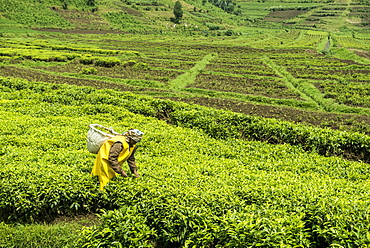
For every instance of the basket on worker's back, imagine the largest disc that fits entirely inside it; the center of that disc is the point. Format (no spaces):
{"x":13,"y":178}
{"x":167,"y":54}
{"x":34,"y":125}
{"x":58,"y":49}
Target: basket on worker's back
{"x":96,"y":137}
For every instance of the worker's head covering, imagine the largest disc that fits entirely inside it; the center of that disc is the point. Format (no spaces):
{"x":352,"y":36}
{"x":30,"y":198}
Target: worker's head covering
{"x":134,"y":134}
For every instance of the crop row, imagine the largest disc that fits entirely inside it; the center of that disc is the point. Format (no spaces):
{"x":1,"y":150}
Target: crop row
{"x":241,"y":69}
{"x":244,"y":85}
{"x":351,"y":42}
{"x":342,"y":122}
{"x":226,"y":124}
{"x":308,"y":41}
{"x":344,"y":75}
{"x":348,"y":122}
{"x":162,"y":62}
{"x":356,"y":94}
{"x":46,"y":45}
{"x":137,"y":71}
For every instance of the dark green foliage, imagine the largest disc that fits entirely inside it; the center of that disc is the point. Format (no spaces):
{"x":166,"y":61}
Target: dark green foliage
{"x":229,"y":32}
{"x":90,"y":2}
{"x":177,"y":10}
{"x":228,"y":5}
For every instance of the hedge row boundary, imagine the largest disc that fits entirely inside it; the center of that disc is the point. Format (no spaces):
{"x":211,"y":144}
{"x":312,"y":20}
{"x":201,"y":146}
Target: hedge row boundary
{"x":220,"y":124}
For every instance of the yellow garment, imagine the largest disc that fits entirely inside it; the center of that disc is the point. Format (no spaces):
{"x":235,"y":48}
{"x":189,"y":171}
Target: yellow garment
{"x":102,"y":167}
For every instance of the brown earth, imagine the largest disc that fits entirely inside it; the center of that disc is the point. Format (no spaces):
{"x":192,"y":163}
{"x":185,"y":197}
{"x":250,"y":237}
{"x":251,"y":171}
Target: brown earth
{"x":277,"y":16}
{"x":131,"y":11}
{"x":119,"y":71}
{"x":347,"y":122}
{"x":37,"y":76}
{"x":361,"y":53}
{"x":84,"y":220}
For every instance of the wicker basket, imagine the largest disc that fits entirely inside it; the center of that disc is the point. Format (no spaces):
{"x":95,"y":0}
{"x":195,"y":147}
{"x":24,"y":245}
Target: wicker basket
{"x":96,"y":137}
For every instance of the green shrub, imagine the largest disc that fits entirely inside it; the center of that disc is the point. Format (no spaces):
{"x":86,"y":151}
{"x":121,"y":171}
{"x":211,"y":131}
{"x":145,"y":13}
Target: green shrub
{"x":141,"y":66}
{"x":129,"y":63}
{"x":87,"y":60}
{"x":89,"y":70}
{"x":107,"y":62}
{"x":120,"y":228}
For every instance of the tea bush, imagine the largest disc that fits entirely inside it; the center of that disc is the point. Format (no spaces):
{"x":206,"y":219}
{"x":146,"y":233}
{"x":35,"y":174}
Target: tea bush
{"x":194,"y":190}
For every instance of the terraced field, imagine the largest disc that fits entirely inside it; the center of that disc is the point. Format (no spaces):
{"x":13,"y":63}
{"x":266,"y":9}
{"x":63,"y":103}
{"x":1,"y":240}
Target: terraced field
{"x":239,"y":78}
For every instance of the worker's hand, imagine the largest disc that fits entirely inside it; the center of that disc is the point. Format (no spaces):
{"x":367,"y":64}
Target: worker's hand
{"x":136,"y":174}
{"x":124,"y":174}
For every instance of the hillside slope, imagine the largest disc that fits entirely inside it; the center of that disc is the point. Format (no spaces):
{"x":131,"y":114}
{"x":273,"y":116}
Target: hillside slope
{"x":145,"y":16}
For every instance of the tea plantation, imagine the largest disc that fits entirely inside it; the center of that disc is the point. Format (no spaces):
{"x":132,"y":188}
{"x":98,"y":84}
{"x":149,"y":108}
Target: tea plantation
{"x":194,"y":190}
{"x":256,"y":116}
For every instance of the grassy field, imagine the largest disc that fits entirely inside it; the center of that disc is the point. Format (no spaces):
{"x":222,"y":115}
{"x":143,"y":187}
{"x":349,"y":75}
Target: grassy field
{"x":267,"y":70}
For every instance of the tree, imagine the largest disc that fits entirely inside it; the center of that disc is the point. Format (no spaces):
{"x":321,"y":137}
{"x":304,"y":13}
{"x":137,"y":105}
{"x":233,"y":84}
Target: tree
{"x":177,"y":10}
{"x":91,"y":2}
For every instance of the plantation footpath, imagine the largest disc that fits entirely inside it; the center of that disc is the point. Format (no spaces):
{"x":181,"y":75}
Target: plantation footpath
{"x":196,"y":190}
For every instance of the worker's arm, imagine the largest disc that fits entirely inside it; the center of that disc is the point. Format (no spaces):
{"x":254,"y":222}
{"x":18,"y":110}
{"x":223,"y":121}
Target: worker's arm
{"x":114,"y":152}
{"x":132,"y":163}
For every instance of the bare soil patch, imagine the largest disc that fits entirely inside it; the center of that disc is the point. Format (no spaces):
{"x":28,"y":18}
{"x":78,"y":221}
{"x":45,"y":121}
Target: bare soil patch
{"x":118,"y":71}
{"x":361,"y":53}
{"x":84,"y":220}
{"x":131,"y":11}
{"x":276,"y":16}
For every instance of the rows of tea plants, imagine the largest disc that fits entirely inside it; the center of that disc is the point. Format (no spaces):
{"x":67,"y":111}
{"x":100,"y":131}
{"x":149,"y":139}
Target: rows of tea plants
{"x":57,"y":45}
{"x":348,"y":122}
{"x":356,"y":94}
{"x":227,"y":124}
{"x":350,"y":42}
{"x":242,"y":66}
{"x":131,"y":69}
{"x":280,"y":39}
{"x":241,"y":70}
{"x":42,"y":50}
{"x":194,"y":190}
{"x":237,"y":72}
{"x":310,"y":39}
{"x":265,"y":86}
